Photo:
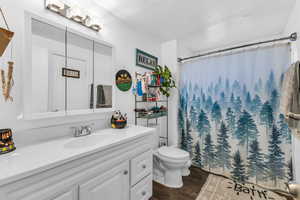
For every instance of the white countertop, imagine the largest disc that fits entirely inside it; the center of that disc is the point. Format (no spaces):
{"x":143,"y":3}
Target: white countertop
{"x":33,"y":159}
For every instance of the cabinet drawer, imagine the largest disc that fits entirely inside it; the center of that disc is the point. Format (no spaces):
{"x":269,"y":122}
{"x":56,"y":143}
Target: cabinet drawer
{"x":141,"y":166}
{"x":142,"y":190}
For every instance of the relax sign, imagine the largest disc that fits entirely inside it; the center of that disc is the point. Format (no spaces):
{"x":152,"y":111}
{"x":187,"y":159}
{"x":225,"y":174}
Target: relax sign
{"x":145,"y":60}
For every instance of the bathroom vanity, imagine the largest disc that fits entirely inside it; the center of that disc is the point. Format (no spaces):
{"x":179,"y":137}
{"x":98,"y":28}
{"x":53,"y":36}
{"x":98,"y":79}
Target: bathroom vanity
{"x":110,"y":164}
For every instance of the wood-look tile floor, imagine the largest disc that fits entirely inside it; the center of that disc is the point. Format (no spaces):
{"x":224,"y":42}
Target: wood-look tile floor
{"x":190,"y":190}
{"x":191,"y":187}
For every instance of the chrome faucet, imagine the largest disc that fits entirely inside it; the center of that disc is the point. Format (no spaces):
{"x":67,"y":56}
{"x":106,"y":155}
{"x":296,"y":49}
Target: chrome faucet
{"x":82,"y":130}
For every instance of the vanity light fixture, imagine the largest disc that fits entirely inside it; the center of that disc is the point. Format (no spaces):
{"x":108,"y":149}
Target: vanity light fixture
{"x":73,"y":13}
{"x":58,"y":7}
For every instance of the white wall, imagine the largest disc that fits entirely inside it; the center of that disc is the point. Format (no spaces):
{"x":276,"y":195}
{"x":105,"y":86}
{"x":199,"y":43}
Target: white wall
{"x":293,"y":25}
{"x":123,"y":37}
{"x":169,"y":56}
{"x":170,"y":52}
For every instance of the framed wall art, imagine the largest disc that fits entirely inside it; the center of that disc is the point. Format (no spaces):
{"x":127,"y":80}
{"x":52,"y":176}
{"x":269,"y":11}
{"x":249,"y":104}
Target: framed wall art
{"x":123,"y":80}
{"x":70,"y":73}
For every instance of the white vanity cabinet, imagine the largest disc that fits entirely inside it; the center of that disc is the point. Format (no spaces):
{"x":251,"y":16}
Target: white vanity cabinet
{"x":120,"y":171}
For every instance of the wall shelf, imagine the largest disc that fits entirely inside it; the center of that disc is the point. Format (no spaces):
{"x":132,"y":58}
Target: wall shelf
{"x":159,"y":101}
{"x":154,"y":116}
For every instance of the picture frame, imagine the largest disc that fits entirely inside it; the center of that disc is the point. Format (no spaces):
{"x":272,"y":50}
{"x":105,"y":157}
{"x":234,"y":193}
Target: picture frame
{"x":123,"y":80}
{"x":146,"y":60}
{"x":70,"y":73}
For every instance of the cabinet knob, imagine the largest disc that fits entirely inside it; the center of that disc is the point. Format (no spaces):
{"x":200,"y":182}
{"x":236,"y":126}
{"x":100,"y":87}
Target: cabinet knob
{"x":125,"y":172}
{"x":144,"y":193}
{"x":144,"y":166}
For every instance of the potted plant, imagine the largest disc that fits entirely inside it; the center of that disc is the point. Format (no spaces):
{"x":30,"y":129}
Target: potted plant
{"x":167,"y":81}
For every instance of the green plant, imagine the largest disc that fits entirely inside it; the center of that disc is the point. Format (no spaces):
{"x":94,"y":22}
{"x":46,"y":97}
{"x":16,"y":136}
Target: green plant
{"x":168,"y":80}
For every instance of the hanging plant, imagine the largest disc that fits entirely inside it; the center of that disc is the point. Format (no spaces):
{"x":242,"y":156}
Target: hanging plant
{"x":167,"y":81}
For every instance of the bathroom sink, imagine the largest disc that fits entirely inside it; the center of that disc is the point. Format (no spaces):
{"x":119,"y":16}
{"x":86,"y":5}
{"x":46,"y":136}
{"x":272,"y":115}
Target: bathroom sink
{"x":90,"y":140}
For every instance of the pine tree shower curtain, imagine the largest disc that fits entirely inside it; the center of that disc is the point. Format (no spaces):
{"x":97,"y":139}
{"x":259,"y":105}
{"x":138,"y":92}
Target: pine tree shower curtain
{"x":229,"y":118}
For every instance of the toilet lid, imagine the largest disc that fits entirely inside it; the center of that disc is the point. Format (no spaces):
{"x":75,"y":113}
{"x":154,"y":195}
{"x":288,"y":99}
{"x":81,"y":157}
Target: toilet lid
{"x":174,"y":153}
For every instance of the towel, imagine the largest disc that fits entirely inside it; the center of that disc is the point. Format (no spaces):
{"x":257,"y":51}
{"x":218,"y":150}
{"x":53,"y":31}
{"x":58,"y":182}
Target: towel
{"x":290,"y":95}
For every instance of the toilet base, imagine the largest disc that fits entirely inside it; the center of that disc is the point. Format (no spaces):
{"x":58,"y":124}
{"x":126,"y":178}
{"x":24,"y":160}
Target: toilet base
{"x":173,"y":178}
{"x":186,"y":171}
{"x":161,"y":180}
{"x":170,"y":178}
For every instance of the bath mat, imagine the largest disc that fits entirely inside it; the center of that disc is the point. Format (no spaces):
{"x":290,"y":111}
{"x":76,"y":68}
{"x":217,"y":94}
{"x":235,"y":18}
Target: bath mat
{"x":221,"y":188}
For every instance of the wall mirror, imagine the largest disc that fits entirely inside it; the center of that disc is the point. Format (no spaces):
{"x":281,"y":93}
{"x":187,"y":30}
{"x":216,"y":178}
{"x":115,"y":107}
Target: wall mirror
{"x":69,"y":73}
{"x":80,"y":58}
{"x":47,"y":57}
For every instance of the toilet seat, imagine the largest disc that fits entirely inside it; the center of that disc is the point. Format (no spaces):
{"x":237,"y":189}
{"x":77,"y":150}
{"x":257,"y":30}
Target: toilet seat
{"x":173,"y":153}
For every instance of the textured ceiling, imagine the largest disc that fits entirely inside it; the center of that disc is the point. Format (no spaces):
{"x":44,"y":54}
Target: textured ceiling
{"x":203,"y":24}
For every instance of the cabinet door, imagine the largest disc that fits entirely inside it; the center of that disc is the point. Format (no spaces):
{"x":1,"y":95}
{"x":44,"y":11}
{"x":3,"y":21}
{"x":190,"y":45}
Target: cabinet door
{"x":110,"y":185}
{"x":47,"y":59}
{"x":79,"y":58}
{"x":103,"y":76}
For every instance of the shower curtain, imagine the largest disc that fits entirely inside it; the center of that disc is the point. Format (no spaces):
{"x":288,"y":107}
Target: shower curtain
{"x":229,"y":118}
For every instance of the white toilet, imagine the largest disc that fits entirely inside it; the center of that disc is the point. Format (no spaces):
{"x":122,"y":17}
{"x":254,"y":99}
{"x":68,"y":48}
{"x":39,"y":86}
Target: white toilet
{"x":169,"y":165}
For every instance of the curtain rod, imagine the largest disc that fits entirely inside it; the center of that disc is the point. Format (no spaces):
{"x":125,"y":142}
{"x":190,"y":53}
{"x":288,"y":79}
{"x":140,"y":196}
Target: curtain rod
{"x":292,"y":37}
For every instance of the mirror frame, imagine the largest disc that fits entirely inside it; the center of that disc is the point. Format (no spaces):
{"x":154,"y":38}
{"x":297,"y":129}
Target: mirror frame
{"x":27,"y":73}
